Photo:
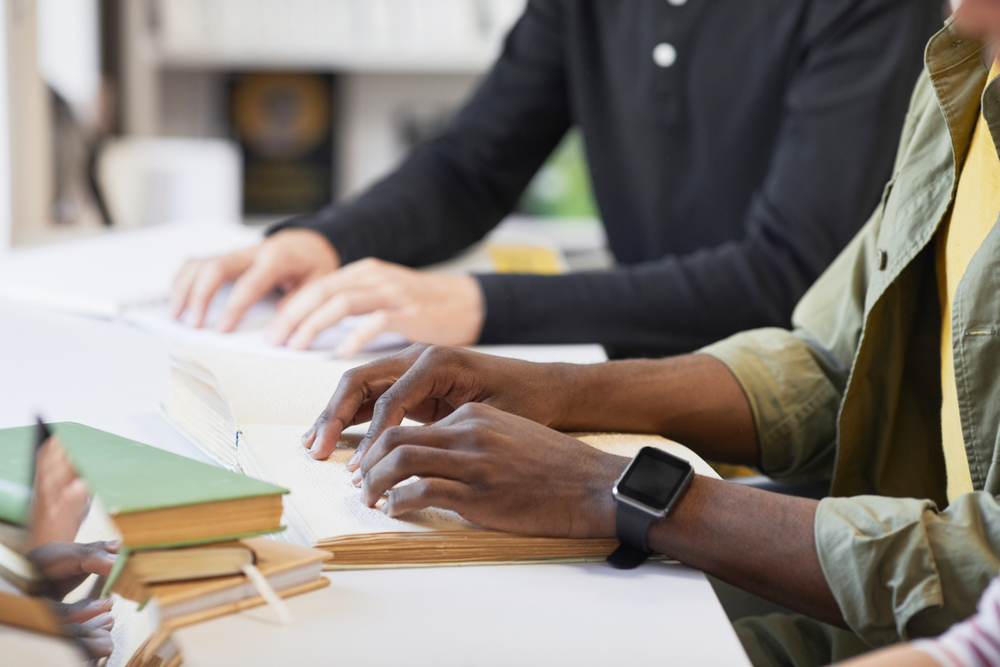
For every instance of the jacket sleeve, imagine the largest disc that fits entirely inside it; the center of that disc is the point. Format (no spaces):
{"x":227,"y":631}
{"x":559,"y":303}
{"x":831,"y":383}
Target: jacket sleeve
{"x":457,"y":187}
{"x":900,"y":568}
{"x":795,"y":380}
{"x":843,"y":112}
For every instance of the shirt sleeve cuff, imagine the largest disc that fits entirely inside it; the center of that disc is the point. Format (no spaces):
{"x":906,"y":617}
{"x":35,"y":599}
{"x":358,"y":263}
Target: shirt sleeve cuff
{"x":498,"y":306}
{"x":876,"y":555}
{"x":794,"y":403}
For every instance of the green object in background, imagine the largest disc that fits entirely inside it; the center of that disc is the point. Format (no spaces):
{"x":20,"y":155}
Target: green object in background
{"x":562,"y":187}
{"x":17,"y":446}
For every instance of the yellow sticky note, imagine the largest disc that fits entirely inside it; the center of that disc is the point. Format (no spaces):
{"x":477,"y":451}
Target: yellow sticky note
{"x":517,"y":258}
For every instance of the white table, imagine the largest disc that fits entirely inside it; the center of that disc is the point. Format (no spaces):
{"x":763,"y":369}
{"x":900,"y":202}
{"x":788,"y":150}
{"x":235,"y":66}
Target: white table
{"x":112,"y":377}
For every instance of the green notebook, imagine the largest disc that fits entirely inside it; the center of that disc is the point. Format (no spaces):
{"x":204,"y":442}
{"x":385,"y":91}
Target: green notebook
{"x":153,"y":496}
{"x":17,"y":447}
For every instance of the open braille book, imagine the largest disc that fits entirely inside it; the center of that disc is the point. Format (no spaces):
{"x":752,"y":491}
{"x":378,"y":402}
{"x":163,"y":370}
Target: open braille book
{"x":248,"y":413}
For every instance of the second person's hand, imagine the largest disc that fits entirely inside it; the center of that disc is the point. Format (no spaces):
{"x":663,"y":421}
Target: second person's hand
{"x":423,"y":307}
{"x":287,"y":260}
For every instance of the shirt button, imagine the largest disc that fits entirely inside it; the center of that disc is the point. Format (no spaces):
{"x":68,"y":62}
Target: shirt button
{"x":677,"y":3}
{"x":883,"y":259}
{"x":664,"y":55}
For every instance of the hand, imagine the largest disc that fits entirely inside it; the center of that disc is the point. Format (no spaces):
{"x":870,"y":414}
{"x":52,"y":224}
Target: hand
{"x":498,"y":471}
{"x":59,"y":504}
{"x":427,"y":383}
{"x":94,"y":635}
{"x":425,"y":307}
{"x":64,"y":565}
{"x":287,"y":260}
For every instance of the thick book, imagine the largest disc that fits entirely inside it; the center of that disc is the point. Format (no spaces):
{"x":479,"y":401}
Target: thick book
{"x":156,"y":566}
{"x":290,"y":570}
{"x":249,"y":413}
{"x":156,"y":498}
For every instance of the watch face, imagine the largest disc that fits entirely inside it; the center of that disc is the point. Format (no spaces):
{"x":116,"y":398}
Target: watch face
{"x":653,"y":478}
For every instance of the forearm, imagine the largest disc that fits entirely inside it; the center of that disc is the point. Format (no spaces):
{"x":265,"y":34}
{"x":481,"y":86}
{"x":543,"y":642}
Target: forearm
{"x":759,"y":541}
{"x":693,"y":399}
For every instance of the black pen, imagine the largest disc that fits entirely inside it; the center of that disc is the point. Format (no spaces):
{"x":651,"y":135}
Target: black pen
{"x":42,"y":433}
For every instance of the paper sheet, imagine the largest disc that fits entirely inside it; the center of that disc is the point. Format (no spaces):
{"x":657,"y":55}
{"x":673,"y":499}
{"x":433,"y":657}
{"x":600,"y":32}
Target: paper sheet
{"x":103,"y":275}
{"x":249,"y":335}
{"x":322,"y":492}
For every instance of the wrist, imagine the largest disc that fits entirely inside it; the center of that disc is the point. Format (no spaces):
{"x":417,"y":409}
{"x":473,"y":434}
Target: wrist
{"x":472,"y":312}
{"x":559,"y":388}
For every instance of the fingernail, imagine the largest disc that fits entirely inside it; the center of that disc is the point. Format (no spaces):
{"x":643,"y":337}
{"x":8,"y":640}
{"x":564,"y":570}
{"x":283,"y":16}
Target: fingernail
{"x":354,"y":457}
{"x":309,"y":434}
{"x":101,"y":620}
{"x":99,"y":604}
{"x":356,"y":477}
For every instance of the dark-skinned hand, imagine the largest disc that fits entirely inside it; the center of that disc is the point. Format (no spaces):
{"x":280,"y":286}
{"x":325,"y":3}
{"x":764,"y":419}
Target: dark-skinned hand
{"x":64,"y":565}
{"x":93,"y":635}
{"x":428,"y":383}
{"x":497,"y":470}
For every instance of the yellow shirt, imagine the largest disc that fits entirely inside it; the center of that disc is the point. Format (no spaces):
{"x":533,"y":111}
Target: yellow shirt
{"x":977,"y":205}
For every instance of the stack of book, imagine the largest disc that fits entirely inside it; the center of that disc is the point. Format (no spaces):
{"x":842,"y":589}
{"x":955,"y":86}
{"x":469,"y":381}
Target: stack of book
{"x":196,"y":584}
{"x":190,"y":532}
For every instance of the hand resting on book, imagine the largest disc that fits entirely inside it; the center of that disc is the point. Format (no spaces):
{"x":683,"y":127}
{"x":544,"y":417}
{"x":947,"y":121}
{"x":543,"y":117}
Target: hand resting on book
{"x":62,"y":567}
{"x":497,"y":470}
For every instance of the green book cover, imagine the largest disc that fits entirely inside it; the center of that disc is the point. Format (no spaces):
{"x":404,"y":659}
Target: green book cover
{"x":127,"y":475}
{"x":17,"y":447}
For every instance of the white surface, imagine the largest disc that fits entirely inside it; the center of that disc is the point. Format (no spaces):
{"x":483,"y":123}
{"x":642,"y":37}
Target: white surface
{"x":112,"y":377}
{"x":103,"y":275}
{"x":20,"y":647}
{"x":511,"y":615}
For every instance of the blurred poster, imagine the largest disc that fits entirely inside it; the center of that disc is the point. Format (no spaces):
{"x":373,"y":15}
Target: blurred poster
{"x":284,"y":123}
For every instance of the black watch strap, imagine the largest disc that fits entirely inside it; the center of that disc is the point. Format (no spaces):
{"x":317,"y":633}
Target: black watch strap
{"x":632,"y":529}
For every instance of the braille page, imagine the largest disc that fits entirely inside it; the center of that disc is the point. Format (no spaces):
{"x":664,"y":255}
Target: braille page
{"x":322,"y":492}
{"x":266,"y":390}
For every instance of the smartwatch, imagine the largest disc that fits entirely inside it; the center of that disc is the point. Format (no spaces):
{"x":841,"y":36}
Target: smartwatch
{"x":646,"y":492}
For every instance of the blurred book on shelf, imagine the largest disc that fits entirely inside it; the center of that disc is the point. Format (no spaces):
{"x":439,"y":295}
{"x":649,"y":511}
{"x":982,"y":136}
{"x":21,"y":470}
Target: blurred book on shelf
{"x":369,"y":33}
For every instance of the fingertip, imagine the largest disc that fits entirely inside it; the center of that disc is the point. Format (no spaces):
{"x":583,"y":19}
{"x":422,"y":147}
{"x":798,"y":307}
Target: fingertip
{"x":226,"y":324}
{"x":299,"y":342}
{"x":309,"y":437}
{"x":320,"y":453}
{"x":355,"y":460}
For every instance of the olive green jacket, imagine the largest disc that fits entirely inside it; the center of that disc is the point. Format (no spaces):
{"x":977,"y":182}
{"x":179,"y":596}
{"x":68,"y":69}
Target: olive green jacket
{"x":854,"y":392}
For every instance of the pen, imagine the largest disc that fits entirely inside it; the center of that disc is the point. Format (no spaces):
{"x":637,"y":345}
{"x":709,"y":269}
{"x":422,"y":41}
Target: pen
{"x":42,"y":433}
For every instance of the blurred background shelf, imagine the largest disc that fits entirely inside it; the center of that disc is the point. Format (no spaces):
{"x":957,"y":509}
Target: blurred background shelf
{"x":147,"y":91}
